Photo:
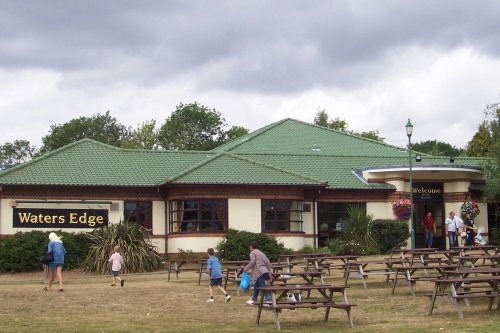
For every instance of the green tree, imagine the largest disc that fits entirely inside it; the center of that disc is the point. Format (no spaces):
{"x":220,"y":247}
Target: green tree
{"x":322,"y":119}
{"x":372,"y":135}
{"x":492,"y":169}
{"x":437,"y":148}
{"x":145,"y":136}
{"x":192,"y":127}
{"x":102,"y":128}
{"x":235,"y":132}
{"x":481,"y":142}
{"x":339,"y":125}
{"x":16,"y":152}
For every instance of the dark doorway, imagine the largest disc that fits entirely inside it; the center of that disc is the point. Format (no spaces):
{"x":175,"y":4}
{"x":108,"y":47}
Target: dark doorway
{"x":421,"y":209}
{"x":429,"y":198}
{"x":493,"y":217}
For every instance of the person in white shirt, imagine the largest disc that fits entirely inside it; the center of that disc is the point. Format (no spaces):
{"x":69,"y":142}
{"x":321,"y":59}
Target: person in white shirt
{"x":451,"y":227}
{"x":116,"y":262}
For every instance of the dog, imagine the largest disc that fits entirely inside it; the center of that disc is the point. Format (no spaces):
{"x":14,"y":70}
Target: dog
{"x":294,"y":297}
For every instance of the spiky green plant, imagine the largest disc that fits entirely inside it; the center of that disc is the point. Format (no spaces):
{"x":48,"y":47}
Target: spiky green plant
{"x":356,"y":228}
{"x":139,"y":255}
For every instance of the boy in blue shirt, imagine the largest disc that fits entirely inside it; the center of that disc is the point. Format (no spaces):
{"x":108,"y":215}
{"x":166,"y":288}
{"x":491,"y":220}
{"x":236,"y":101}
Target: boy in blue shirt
{"x":215,"y":272}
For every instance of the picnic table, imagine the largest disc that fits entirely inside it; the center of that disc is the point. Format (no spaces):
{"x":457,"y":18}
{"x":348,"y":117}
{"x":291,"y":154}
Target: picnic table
{"x":411,"y":276}
{"x":292,"y":260}
{"x":471,"y":260}
{"x":364,"y":268}
{"x":401,"y":253}
{"x":487,"y":249}
{"x":280,"y":302}
{"x":178,"y":265}
{"x":465,"y":272}
{"x":425,"y":257}
{"x":457,"y":292}
{"x":287,"y":259}
{"x":327,"y":262}
{"x":308,"y":277}
{"x":195,"y":265}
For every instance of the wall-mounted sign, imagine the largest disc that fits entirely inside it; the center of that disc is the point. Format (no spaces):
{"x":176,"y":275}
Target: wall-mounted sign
{"x":427,"y":192}
{"x":59,"y":218}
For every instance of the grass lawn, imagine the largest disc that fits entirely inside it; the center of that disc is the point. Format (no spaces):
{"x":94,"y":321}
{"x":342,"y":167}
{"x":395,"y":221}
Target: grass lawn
{"x":148,"y":303}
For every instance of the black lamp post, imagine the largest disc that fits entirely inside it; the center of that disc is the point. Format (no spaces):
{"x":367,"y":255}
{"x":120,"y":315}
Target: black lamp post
{"x":409,"y":132}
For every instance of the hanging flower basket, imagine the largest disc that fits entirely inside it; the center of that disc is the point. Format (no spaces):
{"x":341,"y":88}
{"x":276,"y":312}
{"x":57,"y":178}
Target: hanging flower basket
{"x":402,"y":209}
{"x":471,"y":207}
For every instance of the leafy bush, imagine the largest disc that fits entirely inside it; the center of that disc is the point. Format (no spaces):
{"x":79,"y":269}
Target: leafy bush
{"x":139,"y":255}
{"x":76,"y":246}
{"x":389,"y":234}
{"x":22,"y":251}
{"x":336,"y":247}
{"x":344,"y":246}
{"x":186,"y":254}
{"x":308,"y":249}
{"x":235,"y":245}
{"x":494,"y":238}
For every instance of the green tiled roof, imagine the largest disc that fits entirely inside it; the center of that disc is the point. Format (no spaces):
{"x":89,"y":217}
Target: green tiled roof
{"x":88,"y":162}
{"x":279,"y":154}
{"x":291,"y":136}
{"x":341,"y":171}
{"x":231,"y":169}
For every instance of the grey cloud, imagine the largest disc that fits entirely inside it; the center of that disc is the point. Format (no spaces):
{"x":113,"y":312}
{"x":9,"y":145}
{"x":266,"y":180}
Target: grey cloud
{"x":260,"y":46}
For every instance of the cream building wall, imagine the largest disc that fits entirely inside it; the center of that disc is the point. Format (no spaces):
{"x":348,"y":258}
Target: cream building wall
{"x":380,"y":210}
{"x":245,"y":214}
{"x":159,"y":225}
{"x":195,"y":244}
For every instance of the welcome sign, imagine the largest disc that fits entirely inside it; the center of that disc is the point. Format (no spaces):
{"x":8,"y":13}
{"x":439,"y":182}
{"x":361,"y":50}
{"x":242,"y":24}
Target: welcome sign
{"x":59,"y":218}
{"x":427,"y":192}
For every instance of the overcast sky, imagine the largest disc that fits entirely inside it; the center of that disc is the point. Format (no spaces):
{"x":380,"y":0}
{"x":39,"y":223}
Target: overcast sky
{"x":372,"y":63}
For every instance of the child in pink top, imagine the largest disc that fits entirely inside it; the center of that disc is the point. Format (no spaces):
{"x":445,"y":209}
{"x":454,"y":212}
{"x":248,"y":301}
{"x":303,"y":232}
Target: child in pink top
{"x":116,"y":262}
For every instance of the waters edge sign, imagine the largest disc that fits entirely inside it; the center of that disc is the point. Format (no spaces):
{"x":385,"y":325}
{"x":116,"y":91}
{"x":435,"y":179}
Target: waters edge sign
{"x":59,"y":218}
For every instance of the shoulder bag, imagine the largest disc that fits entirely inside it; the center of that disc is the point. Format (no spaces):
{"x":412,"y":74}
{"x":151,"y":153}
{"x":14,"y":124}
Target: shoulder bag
{"x":47,"y":258}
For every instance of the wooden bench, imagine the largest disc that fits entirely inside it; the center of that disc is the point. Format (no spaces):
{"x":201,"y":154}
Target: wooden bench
{"x":411,"y":278}
{"x":455,"y":294}
{"x":279,"y":301}
{"x":327,"y":263}
{"x":360,"y":269}
{"x":179,"y":265}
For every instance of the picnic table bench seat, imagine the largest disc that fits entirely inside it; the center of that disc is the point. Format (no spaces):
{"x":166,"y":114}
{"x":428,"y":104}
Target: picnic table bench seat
{"x":364,"y":269}
{"x":308,"y":305}
{"x":280,"y":302}
{"x":457,"y":290}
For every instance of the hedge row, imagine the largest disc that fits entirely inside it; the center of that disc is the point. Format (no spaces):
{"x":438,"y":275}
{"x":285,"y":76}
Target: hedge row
{"x":21,"y":253}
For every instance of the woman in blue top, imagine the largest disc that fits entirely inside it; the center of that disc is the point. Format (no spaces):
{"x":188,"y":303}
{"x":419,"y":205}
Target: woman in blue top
{"x":57,"y":248}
